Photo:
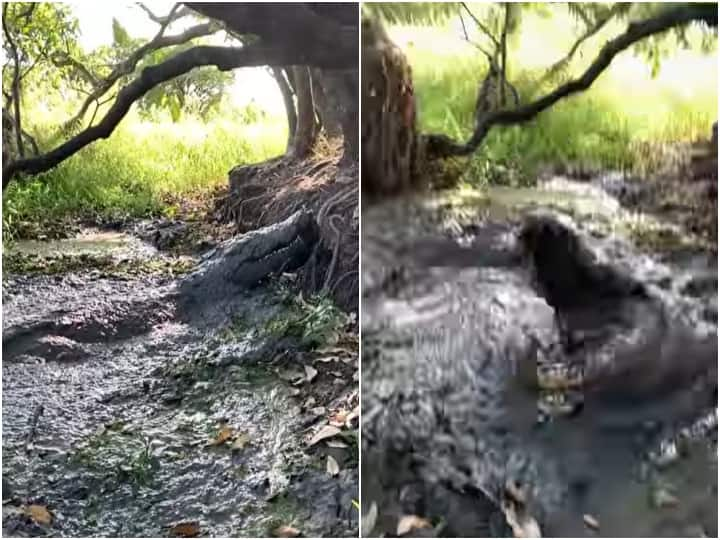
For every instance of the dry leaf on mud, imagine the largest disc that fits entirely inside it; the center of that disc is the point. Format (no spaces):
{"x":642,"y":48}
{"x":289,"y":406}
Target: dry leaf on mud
{"x":295,"y":391}
{"x":410,"y":523}
{"x":223,"y":436}
{"x":187,"y":529}
{"x":310,"y":373}
{"x":241,"y":441}
{"x":325,"y":433}
{"x":318,"y":411}
{"x":39,"y":514}
{"x":285,"y":531}
{"x":332,"y":466}
{"x":338,"y":419}
{"x":336,"y":444}
{"x":326,"y":359}
{"x":591,"y":522}
{"x":523,"y":525}
{"x":367,"y":522}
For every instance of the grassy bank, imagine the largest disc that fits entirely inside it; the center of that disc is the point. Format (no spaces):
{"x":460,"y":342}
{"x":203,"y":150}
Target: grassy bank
{"x":626,"y":112}
{"x":131,"y":173}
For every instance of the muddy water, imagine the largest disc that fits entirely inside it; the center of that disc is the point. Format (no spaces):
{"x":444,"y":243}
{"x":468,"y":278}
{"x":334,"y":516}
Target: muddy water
{"x":447,"y":263}
{"x":113,"y":402}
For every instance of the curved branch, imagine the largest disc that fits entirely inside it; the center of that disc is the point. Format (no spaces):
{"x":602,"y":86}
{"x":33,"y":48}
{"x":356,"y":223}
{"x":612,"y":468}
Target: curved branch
{"x":128,"y":66}
{"x":224,"y":58}
{"x":174,"y":14}
{"x":594,"y":29}
{"x":440,"y":146}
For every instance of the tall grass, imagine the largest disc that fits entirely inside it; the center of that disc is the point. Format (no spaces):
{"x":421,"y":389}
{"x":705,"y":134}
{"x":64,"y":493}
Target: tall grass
{"x":601,"y":127}
{"x":131,"y":173}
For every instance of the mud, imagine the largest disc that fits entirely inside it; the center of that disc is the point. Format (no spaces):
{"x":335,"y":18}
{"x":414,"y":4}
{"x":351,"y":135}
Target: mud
{"x":116,"y":402}
{"x":450,"y":321}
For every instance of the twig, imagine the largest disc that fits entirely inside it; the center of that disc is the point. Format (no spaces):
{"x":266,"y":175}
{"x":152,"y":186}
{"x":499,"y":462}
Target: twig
{"x":33,"y":427}
{"x":336,"y":253}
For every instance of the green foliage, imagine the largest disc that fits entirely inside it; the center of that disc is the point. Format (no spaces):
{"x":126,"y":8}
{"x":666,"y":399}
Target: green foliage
{"x":121,"y":38}
{"x":199,"y":91}
{"x":40,"y":31}
{"x":315,"y":322}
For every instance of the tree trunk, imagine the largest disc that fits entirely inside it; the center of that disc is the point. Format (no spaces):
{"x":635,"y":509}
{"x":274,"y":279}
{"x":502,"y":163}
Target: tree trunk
{"x":324,"y":106}
{"x":288,"y":99}
{"x":339,"y":106}
{"x":307,"y":127}
{"x":503,"y":56}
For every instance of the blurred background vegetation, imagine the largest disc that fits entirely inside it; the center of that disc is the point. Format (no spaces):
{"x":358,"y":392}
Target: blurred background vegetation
{"x":664,"y":90}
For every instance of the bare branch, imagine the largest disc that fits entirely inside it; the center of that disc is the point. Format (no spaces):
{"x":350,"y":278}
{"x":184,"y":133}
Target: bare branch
{"x":467,"y":38}
{"x":128,"y":66}
{"x":439,"y":146}
{"x":480,"y":25}
{"x":594,"y":29}
{"x":174,"y":15}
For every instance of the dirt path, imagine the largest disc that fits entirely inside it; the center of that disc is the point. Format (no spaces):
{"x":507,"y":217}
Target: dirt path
{"x":451,"y":316}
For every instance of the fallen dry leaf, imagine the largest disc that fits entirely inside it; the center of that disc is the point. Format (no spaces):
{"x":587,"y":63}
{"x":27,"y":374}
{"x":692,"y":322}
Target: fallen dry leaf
{"x":326,"y":359}
{"x":367,"y":522}
{"x":325,"y":433}
{"x":241,"y":441}
{"x":39,"y":514}
{"x":318,"y":411}
{"x":295,"y":391}
{"x":338,"y":419}
{"x":223,"y":435}
{"x":310,"y":373}
{"x":410,"y":523}
{"x":333,"y":443}
{"x":332,"y":466}
{"x":187,"y":529}
{"x":523,"y":525}
{"x":285,"y":531}
{"x":591,"y":522}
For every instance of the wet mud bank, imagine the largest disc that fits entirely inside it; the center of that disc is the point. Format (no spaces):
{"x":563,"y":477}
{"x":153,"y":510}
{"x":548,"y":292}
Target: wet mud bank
{"x":528,"y":363}
{"x":153,"y":395}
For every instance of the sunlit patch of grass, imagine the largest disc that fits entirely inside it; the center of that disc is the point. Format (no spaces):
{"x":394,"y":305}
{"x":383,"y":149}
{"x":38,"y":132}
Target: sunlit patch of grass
{"x":604,"y":127}
{"x":130,"y":174}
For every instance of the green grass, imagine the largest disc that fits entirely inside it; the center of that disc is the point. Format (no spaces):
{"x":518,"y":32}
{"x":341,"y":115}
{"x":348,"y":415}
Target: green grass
{"x":607,"y":126}
{"x":131,"y":173}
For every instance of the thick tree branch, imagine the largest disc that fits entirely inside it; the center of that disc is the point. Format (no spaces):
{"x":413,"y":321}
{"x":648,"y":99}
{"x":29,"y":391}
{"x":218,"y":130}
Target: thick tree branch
{"x":128,"y":66}
{"x":224,"y":58}
{"x":439,"y":146}
{"x":294,"y":24}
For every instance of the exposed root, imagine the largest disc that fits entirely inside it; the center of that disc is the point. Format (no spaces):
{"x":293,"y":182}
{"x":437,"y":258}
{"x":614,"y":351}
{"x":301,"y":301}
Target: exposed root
{"x":288,"y":185}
